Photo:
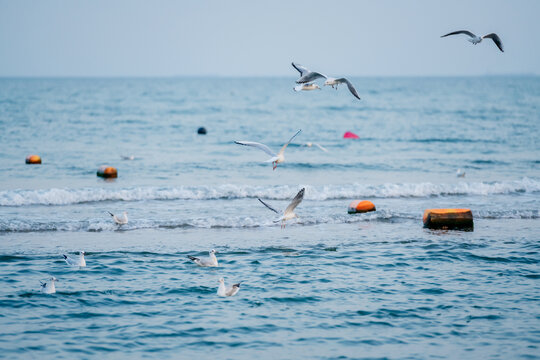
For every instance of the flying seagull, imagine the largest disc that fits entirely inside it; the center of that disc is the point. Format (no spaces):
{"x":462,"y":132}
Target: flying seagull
{"x":275,"y":158}
{"x":79,"y":261}
{"x":120,"y":220}
{"x":289,"y":211}
{"x":307,"y":76}
{"x":311,"y":144}
{"x":224,"y":291}
{"x":48,"y":287}
{"x":478,"y":39}
{"x":306,"y":87}
{"x":212,"y":261}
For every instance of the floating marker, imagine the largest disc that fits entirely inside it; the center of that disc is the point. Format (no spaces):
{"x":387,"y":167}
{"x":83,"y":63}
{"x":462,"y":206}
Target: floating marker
{"x":350,"y":135}
{"x":448,"y":219}
{"x":107,"y":172}
{"x":33,"y":159}
{"x":201,"y":131}
{"x":359,"y":206}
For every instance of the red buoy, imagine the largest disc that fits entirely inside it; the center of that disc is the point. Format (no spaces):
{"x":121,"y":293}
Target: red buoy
{"x":350,"y":135}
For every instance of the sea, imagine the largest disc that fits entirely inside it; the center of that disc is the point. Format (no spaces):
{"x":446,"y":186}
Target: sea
{"x":330,"y":285}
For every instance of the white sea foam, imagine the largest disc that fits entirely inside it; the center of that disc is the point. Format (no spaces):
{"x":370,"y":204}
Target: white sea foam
{"x":327,"y":192}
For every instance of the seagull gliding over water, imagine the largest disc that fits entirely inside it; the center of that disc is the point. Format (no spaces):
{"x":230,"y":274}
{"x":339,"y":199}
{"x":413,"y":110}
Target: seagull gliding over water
{"x":307,"y":76}
{"x":478,"y":39}
{"x":276,"y":158}
{"x":289,"y":211}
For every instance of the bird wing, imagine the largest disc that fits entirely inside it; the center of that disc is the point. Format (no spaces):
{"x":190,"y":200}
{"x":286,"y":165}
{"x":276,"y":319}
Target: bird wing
{"x":301,"y":69}
{"x":350,"y":86}
{"x":496,"y":39}
{"x":309,"y":77}
{"x":70,"y":261}
{"x":298,"y":87}
{"x":466,"y":32}
{"x":320,"y":147}
{"x":288,"y":142}
{"x":268,"y":206}
{"x":260,"y":146}
{"x":294,"y":203}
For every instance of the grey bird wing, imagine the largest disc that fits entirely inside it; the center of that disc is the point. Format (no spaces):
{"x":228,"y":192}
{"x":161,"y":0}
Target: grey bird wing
{"x":350,"y":86}
{"x":466,"y":32}
{"x":301,"y":69}
{"x":309,"y":77}
{"x":496,"y":39}
{"x":294,"y":203}
{"x":282,"y":150}
{"x":268,"y":206}
{"x":257,"y":145}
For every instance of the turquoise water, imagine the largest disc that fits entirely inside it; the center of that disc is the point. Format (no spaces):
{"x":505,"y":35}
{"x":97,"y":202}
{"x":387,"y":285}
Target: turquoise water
{"x":330,"y":285}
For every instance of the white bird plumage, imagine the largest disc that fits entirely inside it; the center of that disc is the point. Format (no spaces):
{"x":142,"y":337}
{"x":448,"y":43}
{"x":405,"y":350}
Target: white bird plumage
{"x":307,"y":76}
{"x":460,"y":173}
{"x":79,"y":261}
{"x":306,"y":87}
{"x":276,"y":158}
{"x":474,"y":39}
{"x":48,"y":287}
{"x":120,"y":220}
{"x":227,"y":291}
{"x":289,"y":211}
{"x":311,"y":144}
{"x":210,"y":262}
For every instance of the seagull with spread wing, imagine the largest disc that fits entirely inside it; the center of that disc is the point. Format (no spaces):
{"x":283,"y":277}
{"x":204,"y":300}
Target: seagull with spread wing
{"x":275,"y":158}
{"x":478,"y":39}
{"x":289,"y":211}
{"x":307,"y":76}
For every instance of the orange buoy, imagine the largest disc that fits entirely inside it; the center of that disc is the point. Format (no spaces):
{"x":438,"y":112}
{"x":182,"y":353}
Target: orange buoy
{"x":33,"y":159}
{"x":359,"y":206}
{"x":448,"y":219}
{"x":107,"y":172}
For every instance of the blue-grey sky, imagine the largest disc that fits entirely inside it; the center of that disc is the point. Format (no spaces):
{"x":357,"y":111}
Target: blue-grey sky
{"x":261,"y":38}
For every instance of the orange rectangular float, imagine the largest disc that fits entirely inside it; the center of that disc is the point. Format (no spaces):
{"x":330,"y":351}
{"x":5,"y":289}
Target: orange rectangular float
{"x":449,"y":219}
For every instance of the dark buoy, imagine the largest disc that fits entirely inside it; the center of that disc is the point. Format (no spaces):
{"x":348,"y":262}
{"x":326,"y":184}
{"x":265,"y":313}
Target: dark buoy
{"x":33,"y":159}
{"x":358,"y":207}
{"x":201,"y":131}
{"x":448,"y":219}
{"x":107,"y":172}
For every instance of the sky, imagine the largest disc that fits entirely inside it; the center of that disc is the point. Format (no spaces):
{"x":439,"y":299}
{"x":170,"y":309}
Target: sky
{"x":108,"y":38}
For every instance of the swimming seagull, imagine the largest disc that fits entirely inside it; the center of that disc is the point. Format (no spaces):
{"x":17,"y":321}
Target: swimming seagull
{"x":211,"y":262}
{"x":460,"y":173}
{"x":306,"y":87}
{"x":276,"y":158}
{"x":478,"y":39}
{"x":224,"y":291}
{"x":120,"y":220}
{"x":307,"y":76}
{"x":289,"y":211}
{"x":79,"y":261}
{"x":125,"y":157}
{"x":48,"y":287}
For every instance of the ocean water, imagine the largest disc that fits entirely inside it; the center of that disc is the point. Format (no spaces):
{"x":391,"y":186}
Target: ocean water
{"x":330,"y":285}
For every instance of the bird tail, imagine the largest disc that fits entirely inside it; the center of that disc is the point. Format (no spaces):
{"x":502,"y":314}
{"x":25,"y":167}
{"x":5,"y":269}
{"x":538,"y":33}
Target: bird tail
{"x":237,"y":285}
{"x":65,"y":257}
{"x":192,"y":258}
{"x":110,"y":213}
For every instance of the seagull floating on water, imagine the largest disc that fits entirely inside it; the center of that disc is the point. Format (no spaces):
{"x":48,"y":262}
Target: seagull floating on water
{"x":289,"y":211}
{"x":120,"y":220}
{"x":79,"y":261}
{"x":478,"y":39}
{"x":48,"y":287}
{"x":276,"y":158}
{"x":227,"y":291}
{"x":460,"y":173}
{"x":307,"y":76}
{"x":127,"y":157}
{"x":210,"y":262}
{"x":306,"y":87}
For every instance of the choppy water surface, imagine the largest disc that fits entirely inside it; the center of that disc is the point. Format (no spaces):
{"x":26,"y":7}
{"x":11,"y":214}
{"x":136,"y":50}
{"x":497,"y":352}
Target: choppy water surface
{"x":330,"y":285}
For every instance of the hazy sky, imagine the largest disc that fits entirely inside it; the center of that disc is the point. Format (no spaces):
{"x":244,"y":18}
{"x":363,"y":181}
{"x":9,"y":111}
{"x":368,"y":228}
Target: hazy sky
{"x":261,"y":38}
